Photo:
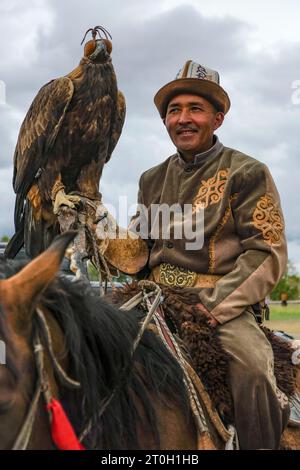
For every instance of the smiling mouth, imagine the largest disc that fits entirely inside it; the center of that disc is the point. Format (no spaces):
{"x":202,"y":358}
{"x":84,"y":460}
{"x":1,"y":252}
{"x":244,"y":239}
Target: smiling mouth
{"x":186,"y":132}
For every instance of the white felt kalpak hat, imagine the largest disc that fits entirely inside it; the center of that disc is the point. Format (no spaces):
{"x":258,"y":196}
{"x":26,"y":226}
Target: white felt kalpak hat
{"x":195,"y":79}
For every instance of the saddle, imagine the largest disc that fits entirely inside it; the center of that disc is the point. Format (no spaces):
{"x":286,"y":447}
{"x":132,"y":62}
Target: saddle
{"x":208,"y":359}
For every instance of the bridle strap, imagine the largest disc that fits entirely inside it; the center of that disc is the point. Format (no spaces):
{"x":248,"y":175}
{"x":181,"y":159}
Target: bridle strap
{"x":156,"y":291}
{"x":42,"y":386}
{"x":64,"y":378}
{"x":24,"y":435}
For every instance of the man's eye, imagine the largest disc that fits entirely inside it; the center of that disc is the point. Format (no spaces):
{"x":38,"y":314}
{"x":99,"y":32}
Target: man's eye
{"x":196,"y":108}
{"x":173,"y":110}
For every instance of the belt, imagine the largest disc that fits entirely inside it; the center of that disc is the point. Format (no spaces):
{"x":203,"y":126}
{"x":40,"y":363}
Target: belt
{"x":175,"y":276}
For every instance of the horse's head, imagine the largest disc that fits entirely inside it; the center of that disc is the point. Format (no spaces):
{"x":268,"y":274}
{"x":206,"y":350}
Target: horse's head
{"x":53,"y":329}
{"x":20,"y":294}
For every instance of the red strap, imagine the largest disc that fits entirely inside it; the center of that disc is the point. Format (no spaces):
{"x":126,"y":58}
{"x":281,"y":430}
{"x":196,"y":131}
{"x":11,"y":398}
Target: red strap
{"x":62,"y":432}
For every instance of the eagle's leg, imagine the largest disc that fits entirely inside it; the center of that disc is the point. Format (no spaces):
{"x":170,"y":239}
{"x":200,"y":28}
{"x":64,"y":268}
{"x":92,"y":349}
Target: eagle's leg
{"x":79,"y":257}
{"x":63,"y":199}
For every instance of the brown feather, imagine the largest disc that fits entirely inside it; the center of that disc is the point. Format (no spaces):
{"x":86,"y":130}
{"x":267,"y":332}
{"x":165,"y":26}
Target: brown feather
{"x":40,"y":127}
{"x":35,"y":200}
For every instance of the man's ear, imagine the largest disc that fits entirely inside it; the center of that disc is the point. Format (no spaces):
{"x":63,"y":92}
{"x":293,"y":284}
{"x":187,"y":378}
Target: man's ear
{"x":219,"y":118}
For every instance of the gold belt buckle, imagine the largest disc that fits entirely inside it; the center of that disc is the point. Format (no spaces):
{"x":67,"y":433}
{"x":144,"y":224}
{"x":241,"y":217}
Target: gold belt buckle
{"x":174,"y":276}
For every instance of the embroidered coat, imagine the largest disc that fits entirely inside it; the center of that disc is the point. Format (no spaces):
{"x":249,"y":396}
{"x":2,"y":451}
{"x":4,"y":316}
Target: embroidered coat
{"x":244,"y":239}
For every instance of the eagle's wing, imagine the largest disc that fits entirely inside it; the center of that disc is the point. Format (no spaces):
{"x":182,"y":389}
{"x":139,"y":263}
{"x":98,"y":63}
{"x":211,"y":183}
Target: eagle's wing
{"x":37,"y":135}
{"x":117,"y":125}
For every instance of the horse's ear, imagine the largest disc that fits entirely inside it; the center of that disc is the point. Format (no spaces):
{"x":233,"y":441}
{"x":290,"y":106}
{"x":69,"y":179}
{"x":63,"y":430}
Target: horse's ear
{"x":21,"y":292}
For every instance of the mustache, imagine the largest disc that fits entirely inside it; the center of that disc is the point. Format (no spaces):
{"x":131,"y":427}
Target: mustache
{"x":185,"y":128}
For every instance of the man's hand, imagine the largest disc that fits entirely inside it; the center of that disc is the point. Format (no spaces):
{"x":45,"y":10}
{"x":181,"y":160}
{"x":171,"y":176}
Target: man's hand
{"x":211,"y":321}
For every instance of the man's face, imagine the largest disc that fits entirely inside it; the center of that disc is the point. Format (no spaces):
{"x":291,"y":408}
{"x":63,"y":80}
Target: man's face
{"x":191,"y":121}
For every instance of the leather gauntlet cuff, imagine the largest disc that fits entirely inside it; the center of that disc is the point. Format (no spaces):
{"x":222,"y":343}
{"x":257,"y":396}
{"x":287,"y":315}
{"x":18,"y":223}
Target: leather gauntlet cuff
{"x":58,"y":186}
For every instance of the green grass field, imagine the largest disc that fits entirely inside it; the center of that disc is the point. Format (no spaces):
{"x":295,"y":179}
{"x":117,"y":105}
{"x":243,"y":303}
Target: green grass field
{"x":285,"y":318}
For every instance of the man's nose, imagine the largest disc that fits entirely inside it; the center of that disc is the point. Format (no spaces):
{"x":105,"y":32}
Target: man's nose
{"x":184,"y":116}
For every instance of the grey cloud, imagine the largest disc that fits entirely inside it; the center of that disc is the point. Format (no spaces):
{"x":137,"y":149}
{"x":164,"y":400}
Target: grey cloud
{"x":294,"y":252}
{"x":270,"y":78}
{"x":10,"y":120}
{"x":7,"y":203}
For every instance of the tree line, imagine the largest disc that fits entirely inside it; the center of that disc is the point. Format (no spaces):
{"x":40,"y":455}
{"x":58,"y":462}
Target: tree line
{"x":289,"y":284}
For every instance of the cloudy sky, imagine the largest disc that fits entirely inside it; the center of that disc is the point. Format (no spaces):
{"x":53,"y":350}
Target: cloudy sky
{"x":253,"y":44}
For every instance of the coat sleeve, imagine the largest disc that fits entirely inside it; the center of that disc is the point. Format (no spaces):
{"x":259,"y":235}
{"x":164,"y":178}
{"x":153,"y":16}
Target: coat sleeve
{"x":139,"y":223}
{"x":260,"y":226}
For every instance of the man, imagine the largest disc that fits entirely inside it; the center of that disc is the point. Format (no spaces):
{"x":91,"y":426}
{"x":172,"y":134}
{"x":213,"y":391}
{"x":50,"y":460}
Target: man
{"x":244,"y":251}
{"x":284,"y":298}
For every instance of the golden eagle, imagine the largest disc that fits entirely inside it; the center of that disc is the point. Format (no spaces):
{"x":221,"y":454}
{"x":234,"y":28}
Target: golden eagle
{"x":68,"y":134}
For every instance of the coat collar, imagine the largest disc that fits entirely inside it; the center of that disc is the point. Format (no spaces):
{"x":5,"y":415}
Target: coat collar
{"x":203,"y":156}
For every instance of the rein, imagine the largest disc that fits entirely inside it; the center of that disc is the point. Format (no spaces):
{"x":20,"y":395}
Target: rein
{"x":42,"y":385}
{"x":24,"y":435}
{"x":136,"y":300}
{"x":151,"y":301}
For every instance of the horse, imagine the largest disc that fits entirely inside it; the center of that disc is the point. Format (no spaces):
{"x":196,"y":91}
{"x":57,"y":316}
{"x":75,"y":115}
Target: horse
{"x":70,"y":362}
{"x":114,"y":398}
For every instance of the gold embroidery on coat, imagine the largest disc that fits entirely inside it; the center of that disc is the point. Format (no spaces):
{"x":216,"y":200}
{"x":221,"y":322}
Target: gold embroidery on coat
{"x":211,"y":190}
{"x":175,"y":276}
{"x":212,"y":249}
{"x":267,"y":218}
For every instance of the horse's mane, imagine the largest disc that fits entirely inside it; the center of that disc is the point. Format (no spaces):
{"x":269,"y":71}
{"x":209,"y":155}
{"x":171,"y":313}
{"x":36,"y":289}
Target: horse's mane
{"x":99,"y":338}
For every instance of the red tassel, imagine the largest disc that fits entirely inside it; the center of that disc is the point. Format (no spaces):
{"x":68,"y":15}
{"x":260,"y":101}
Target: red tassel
{"x":63,"y":434}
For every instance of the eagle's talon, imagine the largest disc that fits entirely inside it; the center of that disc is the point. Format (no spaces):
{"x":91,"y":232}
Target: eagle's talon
{"x":63,"y":199}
